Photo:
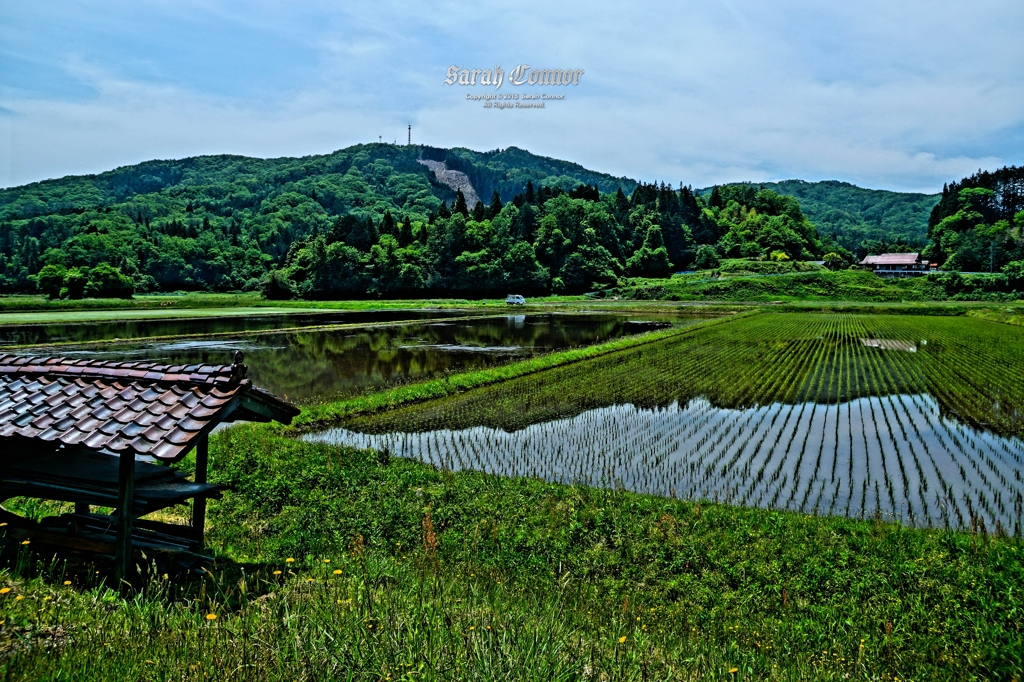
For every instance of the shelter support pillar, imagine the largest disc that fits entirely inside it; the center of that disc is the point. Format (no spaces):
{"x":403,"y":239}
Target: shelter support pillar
{"x":125,"y":505}
{"x":199,"y":504}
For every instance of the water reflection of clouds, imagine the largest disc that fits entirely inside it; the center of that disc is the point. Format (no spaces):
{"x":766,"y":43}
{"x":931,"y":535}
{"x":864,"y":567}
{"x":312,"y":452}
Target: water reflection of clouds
{"x":460,"y":348}
{"x":817,"y":458}
{"x":318,"y":364}
{"x":242,"y":345}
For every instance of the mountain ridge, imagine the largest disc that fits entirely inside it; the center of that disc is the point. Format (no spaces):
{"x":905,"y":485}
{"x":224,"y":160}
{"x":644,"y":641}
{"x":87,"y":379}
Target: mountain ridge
{"x":225,"y":222}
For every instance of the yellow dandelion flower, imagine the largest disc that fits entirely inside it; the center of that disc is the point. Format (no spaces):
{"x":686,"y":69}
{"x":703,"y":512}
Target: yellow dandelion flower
{"x":211,"y":616}
{"x":733,"y":671}
{"x":5,"y":590}
{"x":26,"y":542}
{"x":277,"y":572}
{"x":337,"y":571}
{"x":471,"y":628}
{"x":327,"y":561}
{"x":18,"y":598}
{"x":289,"y":560}
{"x":67,"y":582}
{"x":622,"y":639}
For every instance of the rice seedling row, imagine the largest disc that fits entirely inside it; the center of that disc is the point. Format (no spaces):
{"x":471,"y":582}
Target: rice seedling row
{"x":916,"y":418}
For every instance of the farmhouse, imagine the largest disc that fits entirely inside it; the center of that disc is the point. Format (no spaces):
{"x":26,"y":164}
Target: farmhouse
{"x":101,"y":434}
{"x":896,"y":264}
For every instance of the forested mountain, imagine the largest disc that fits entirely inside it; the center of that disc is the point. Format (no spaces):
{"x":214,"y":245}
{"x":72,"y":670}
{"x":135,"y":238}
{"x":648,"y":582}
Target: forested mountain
{"x":861,"y":220}
{"x":978,"y":224}
{"x":224,"y":222}
{"x":375,"y":220}
{"x":372,"y":220}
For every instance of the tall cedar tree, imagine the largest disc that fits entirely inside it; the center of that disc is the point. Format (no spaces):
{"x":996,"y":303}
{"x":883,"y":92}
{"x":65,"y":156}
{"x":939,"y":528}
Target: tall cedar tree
{"x":495,"y":207}
{"x":460,"y":204}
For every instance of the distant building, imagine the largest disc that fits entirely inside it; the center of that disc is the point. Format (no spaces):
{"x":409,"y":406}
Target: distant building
{"x":896,"y":265}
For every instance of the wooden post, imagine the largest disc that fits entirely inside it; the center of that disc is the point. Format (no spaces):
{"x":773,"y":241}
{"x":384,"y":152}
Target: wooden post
{"x":199,"y":504}
{"x":125,"y":505}
{"x":81,"y":508}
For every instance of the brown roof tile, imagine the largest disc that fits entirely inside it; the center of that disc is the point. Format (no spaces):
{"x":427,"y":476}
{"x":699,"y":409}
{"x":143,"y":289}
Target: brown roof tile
{"x":142,"y":407}
{"x":891,"y":259}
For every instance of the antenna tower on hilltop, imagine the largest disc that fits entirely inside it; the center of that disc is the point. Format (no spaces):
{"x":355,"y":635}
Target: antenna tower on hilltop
{"x":409,"y":142}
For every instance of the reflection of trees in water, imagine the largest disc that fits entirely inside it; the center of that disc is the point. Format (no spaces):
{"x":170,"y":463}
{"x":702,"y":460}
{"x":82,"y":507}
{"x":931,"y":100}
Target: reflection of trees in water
{"x":971,"y":367}
{"x":326,"y":364}
{"x":185,"y":326}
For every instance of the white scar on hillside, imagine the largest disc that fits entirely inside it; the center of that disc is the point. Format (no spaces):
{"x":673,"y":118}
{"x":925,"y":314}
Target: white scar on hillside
{"x":456,"y":180}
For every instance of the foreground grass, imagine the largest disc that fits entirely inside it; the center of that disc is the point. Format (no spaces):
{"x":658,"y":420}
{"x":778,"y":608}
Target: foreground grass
{"x":390,"y":569}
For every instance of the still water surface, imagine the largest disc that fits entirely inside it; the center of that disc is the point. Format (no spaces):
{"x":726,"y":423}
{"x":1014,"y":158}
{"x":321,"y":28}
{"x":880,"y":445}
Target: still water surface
{"x":317,"y":365}
{"x":815,"y":458}
{"x":915,"y":418}
{"x":87,"y":332}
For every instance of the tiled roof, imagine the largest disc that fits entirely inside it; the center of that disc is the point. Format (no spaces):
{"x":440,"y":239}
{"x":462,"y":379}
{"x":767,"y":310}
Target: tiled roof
{"x":150,"y":409}
{"x":891,"y":259}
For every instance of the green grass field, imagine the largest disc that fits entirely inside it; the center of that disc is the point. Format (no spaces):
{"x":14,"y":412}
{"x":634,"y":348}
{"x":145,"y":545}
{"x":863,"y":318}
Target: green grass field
{"x":335,"y":563}
{"x":38,"y":309}
{"x":746,"y":285}
{"x":342,"y":564}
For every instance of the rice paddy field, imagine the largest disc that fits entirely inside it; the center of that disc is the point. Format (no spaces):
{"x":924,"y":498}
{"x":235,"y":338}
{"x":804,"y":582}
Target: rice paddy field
{"x":767,"y":496}
{"x":915,"y":418}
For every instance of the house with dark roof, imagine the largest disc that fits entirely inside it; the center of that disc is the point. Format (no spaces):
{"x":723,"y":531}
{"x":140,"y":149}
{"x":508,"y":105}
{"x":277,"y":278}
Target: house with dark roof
{"x":102,"y":434}
{"x":896,"y":265}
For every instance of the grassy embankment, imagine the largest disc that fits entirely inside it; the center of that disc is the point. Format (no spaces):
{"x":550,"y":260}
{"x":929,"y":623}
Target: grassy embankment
{"x":172,"y":303}
{"x":340,"y":563}
{"x":752,"y":281}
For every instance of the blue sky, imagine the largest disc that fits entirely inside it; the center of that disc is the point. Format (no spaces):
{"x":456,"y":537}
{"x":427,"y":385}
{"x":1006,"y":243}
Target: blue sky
{"x":887,"y":95}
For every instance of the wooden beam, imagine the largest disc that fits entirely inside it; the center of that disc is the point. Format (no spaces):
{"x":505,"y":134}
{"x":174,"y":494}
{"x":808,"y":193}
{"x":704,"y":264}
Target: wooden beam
{"x":125,"y":503}
{"x":199,"y":503}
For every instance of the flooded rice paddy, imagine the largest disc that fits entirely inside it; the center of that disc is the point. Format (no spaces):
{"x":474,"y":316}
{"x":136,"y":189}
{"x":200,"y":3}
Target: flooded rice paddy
{"x":915,"y":418}
{"x":104,"y":330}
{"x":315,"y":365}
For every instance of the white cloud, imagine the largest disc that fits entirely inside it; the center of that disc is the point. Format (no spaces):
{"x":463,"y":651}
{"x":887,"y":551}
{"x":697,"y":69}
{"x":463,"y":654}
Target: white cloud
{"x":903,"y":96}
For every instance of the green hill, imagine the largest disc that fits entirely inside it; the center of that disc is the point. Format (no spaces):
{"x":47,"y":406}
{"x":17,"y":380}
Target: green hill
{"x":375,"y":220}
{"x":853,"y":215}
{"x":223,"y":222}
{"x":365,"y":178}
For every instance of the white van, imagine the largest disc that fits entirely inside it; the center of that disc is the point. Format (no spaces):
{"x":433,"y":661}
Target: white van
{"x":514,"y":299}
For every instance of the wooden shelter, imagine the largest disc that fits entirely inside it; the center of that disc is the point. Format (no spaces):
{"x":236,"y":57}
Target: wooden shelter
{"x":99,"y":433}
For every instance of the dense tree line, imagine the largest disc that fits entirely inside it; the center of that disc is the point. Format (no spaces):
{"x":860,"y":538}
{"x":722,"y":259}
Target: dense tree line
{"x":544,"y":240}
{"x":372,"y":221}
{"x":978,"y":224}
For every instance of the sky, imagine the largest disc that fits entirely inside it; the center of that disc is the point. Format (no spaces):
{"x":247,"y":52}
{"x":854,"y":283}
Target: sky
{"x":890,"y":95}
